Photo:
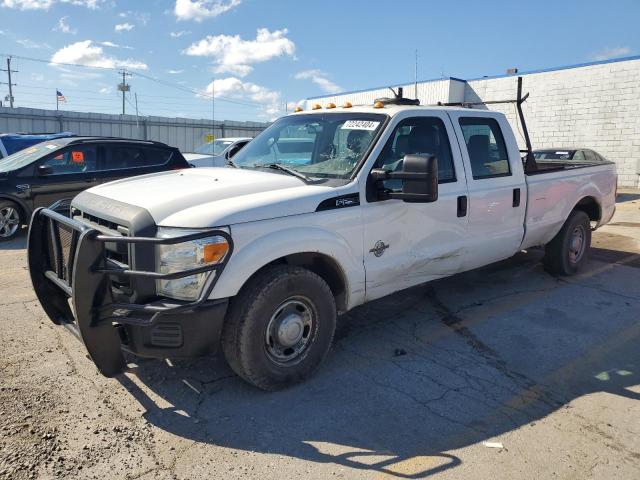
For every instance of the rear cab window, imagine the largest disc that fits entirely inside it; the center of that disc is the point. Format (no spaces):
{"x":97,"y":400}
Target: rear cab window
{"x":486,"y":147}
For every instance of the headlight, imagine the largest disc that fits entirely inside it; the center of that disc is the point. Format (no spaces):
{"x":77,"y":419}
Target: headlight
{"x":185,"y":256}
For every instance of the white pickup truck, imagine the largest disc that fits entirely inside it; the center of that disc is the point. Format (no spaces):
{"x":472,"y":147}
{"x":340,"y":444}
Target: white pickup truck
{"x":261,"y":258}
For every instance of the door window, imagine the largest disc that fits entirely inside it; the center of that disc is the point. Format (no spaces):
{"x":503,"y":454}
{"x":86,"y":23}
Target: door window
{"x":418,"y":136}
{"x":486,"y":148}
{"x":590,"y":156}
{"x":74,"y":159}
{"x":122,"y":157}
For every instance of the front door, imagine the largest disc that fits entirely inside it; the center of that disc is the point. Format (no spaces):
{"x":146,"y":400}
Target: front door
{"x":71,"y":170}
{"x":407,"y":244}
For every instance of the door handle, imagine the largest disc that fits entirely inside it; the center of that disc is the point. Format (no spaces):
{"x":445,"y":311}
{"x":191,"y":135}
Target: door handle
{"x":462,"y":206}
{"x":516,"y":197}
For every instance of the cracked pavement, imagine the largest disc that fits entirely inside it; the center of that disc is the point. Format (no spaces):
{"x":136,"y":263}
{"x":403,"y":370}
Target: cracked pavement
{"x":544,"y":370}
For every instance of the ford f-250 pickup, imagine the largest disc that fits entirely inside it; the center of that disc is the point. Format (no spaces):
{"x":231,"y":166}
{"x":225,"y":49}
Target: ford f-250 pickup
{"x":262,"y":257}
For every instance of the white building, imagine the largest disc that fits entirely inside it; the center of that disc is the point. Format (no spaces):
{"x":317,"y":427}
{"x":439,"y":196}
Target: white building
{"x":592,"y":105}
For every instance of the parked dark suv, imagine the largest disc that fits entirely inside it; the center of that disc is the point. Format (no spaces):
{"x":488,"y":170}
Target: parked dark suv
{"x":59,"y":169}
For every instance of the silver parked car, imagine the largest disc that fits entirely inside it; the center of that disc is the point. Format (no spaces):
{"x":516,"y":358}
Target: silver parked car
{"x":216,"y":153}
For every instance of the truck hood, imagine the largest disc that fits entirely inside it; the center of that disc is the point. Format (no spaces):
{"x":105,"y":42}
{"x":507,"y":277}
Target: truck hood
{"x":209,"y":197}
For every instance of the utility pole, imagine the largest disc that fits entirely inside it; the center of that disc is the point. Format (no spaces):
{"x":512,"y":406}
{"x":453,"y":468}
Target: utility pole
{"x":136,"y":96}
{"x":124,"y":87}
{"x":213,"y":115}
{"x":11,"y":85}
{"x":415,"y":85}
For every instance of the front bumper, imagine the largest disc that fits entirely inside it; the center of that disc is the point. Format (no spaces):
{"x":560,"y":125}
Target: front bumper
{"x":76,"y":283}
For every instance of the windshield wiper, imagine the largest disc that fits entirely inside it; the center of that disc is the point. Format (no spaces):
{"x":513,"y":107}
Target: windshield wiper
{"x":282,"y":168}
{"x":232,"y":163}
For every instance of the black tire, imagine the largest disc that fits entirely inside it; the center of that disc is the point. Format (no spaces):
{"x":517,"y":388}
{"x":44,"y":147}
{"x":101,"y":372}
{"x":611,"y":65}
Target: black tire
{"x":9,"y":231}
{"x":561,"y":256}
{"x":250,"y":334}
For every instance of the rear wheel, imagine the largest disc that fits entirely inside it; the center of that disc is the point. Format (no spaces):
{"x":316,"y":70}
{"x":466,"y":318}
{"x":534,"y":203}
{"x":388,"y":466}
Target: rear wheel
{"x":279,"y":327}
{"x":10,"y":220}
{"x":567,"y":252}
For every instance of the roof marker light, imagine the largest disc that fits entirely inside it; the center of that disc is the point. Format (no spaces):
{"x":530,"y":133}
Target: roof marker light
{"x":316,"y":106}
{"x":347,"y":105}
{"x":378,"y":104}
{"x":330,"y":105}
{"x":298,"y":109}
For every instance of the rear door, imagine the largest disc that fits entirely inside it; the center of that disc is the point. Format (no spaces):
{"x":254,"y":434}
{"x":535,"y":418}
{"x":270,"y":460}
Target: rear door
{"x":73,"y":169}
{"x":496,"y":185}
{"x":129,"y":160}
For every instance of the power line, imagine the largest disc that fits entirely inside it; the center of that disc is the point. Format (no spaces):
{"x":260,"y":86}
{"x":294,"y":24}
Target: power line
{"x":148,"y":77}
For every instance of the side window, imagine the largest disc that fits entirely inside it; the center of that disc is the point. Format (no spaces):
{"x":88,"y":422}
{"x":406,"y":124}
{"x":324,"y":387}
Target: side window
{"x":74,"y":159}
{"x":590,"y":156}
{"x":486,"y":148}
{"x":418,"y":135}
{"x":121,"y":157}
{"x":578,"y":156}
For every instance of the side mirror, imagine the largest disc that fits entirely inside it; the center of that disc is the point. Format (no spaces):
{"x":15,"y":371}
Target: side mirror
{"x":44,"y":170}
{"x":419,"y":177}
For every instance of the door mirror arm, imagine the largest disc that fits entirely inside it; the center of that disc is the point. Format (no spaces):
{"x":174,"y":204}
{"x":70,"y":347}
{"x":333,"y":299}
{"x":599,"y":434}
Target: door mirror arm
{"x":44,"y":170}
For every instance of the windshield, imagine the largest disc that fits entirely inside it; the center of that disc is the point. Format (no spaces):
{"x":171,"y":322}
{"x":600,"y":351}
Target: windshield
{"x":554,"y":154}
{"x":28,"y":155}
{"x":214,"y":148}
{"x":327,"y":145}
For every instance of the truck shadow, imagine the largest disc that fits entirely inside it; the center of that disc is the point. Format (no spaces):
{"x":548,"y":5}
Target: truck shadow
{"x":416,"y":375}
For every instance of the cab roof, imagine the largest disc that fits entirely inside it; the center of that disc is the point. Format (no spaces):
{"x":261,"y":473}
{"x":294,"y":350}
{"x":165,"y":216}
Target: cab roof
{"x":389,"y":109}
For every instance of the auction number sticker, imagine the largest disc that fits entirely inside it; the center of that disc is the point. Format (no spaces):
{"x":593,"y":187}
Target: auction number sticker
{"x":360,"y":125}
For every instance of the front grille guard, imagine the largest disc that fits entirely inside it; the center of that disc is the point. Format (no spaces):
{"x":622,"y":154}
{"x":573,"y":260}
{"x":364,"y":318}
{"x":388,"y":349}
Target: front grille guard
{"x":67,"y":259}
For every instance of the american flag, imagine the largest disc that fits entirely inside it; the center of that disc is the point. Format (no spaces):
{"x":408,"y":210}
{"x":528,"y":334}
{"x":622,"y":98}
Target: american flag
{"x":60,"y":96}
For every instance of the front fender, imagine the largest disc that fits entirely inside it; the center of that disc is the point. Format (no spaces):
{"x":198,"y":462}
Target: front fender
{"x":254,"y":252}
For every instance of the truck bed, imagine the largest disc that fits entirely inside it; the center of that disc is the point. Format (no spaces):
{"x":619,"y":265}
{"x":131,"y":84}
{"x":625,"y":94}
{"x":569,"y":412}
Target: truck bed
{"x":558,"y":165}
{"x":555,"y":189}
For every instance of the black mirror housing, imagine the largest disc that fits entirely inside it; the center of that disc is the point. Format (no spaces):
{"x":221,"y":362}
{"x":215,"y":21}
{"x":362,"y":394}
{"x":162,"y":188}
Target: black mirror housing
{"x":419,"y":177}
{"x":44,"y":170}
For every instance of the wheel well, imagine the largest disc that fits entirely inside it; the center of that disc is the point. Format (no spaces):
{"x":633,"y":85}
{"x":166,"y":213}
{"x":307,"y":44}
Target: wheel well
{"x":323,"y":266}
{"x":590,"y":206}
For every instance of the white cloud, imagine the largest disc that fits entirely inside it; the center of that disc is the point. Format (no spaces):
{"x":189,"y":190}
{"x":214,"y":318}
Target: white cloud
{"x":179,"y":34}
{"x":46,"y":4}
{"x":64,"y":27}
{"x":200,"y":10}
{"x":319,"y":78}
{"x":106,"y":90}
{"x":122,"y":27}
{"x":89,"y":54}
{"x":27,"y":4}
{"x":233,"y":87}
{"x":608,"y":53}
{"x":27,"y":43}
{"x":234,"y":55}
{"x":175,"y":72}
{"x":115,"y":45}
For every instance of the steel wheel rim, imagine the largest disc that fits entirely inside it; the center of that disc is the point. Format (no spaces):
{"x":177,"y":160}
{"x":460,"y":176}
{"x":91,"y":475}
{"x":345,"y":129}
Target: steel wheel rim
{"x":290,"y":331}
{"x":9,"y":221}
{"x":577,"y":244}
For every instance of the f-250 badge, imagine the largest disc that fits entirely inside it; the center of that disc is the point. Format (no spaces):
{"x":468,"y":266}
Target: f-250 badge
{"x":379,"y":248}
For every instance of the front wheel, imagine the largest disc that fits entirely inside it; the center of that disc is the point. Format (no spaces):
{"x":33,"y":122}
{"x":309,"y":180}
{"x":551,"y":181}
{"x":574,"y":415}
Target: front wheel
{"x":567,"y":252}
{"x":10,"y":220}
{"x":279,"y":327}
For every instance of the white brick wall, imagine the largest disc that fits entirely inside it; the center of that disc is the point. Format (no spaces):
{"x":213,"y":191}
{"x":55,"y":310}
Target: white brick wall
{"x":594,"y":106}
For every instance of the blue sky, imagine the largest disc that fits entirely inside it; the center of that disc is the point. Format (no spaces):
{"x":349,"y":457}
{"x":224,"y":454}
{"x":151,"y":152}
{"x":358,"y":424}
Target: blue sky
{"x":265,"y":54}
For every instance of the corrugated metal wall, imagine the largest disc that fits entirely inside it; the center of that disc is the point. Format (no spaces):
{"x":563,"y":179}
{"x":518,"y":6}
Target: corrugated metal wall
{"x":184,"y":133}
